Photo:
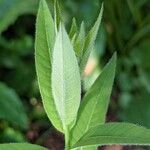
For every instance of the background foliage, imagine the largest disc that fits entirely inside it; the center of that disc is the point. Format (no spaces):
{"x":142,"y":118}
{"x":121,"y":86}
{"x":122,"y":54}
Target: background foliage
{"x":125,"y":29}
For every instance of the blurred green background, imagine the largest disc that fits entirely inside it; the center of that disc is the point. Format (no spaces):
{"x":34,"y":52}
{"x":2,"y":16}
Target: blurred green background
{"x":125,"y":28}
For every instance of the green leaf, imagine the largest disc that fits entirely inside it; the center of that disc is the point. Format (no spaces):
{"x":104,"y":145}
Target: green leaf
{"x":66,"y":86}
{"x":21,"y":146}
{"x":79,"y":43}
{"x":115,"y":133}
{"x":57,"y":14}
{"x":10,"y":10}
{"x":92,"y":111}
{"x":44,"y":43}
{"x":11,"y":108}
{"x":90,"y":41}
{"x":74,"y":28}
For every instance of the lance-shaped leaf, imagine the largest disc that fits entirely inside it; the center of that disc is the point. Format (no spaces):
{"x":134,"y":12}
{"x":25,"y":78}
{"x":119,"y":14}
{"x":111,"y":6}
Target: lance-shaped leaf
{"x":79,"y":43}
{"x":116,"y":133}
{"x":21,"y":146}
{"x":74,"y":28}
{"x":57,"y":14}
{"x":66,"y":86}
{"x":44,"y":42}
{"x":90,"y":41}
{"x":94,"y":106}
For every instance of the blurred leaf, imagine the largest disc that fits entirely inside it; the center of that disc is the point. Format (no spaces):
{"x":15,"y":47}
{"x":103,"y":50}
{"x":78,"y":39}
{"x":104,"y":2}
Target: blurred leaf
{"x":11,"y":108}
{"x":65,"y":79}
{"x":10,"y":135}
{"x":134,"y":11}
{"x":11,"y":9}
{"x":22,"y":46}
{"x":44,"y":42}
{"x":22,"y":146}
{"x":145,"y":53}
{"x":94,"y":106}
{"x":138,"y":36}
{"x":137,"y":110}
{"x":115,"y":133}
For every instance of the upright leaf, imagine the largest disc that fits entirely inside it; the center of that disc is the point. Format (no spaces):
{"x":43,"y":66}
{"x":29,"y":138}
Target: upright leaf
{"x":11,"y":108}
{"x":79,"y":43}
{"x":115,"y":133}
{"x":74,"y":28}
{"x":21,"y":146}
{"x":94,"y":106}
{"x":90,"y":41}
{"x":66,"y":86}
{"x":44,"y":42}
{"x":57,"y":14}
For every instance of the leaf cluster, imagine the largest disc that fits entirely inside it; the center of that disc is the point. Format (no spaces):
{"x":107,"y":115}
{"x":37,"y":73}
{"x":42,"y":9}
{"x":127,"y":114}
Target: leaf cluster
{"x":60,"y":59}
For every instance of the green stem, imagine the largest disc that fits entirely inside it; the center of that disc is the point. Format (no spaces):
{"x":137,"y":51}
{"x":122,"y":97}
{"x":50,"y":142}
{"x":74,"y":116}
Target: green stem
{"x":66,"y":138}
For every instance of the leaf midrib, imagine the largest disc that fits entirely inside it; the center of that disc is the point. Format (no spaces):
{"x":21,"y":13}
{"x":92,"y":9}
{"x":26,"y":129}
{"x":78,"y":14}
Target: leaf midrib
{"x":63,"y":84}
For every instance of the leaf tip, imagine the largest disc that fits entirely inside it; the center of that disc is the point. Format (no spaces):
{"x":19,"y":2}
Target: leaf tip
{"x":114,"y":59}
{"x":101,"y":11}
{"x":115,"y":56}
{"x":43,"y":3}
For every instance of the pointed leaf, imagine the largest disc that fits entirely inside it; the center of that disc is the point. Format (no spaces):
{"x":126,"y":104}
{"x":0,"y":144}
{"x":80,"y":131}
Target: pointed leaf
{"x":57,"y":14}
{"x":94,"y":106}
{"x":21,"y":146}
{"x":90,"y":41}
{"x":116,"y":133}
{"x":74,"y":28}
{"x":45,"y":36}
{"x":74,"y":39}
{"x":79,"y":43}
{"x":66,"y":86}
